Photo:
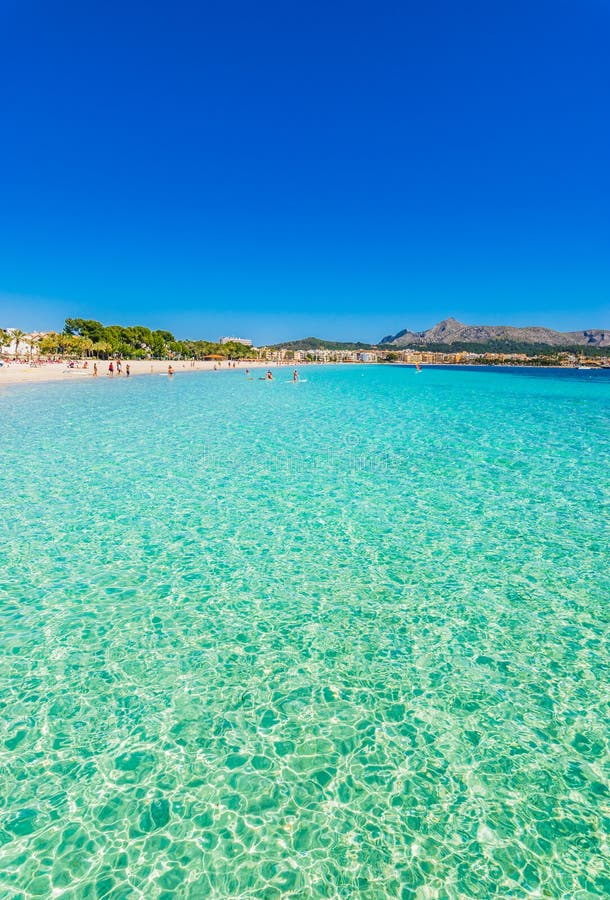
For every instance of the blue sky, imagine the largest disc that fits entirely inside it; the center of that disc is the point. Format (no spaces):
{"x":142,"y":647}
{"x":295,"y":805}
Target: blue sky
{"x":343,"y":169}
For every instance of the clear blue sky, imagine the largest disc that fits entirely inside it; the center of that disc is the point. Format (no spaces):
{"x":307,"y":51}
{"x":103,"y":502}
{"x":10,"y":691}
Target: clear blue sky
{"x":343,"y":169}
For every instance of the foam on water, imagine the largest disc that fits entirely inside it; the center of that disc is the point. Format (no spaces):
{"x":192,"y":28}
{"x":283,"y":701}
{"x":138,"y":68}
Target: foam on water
{"x":346,"y":638}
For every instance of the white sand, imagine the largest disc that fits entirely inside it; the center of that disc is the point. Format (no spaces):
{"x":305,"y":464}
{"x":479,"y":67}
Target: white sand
{"x":21,"y":373}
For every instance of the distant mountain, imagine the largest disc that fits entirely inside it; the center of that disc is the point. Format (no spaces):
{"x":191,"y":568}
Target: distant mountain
{"x":450,"y":331}
{"x":592,"y":337}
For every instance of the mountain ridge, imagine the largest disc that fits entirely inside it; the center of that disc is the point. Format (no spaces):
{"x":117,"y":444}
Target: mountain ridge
{"x":451,"y":331}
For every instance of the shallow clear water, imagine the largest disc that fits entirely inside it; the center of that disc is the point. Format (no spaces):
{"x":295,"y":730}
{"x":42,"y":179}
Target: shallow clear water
{"x":346,"y":638}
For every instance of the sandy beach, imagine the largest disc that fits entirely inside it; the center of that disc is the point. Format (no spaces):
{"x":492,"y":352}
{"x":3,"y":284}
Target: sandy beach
{"x":24,"y":373}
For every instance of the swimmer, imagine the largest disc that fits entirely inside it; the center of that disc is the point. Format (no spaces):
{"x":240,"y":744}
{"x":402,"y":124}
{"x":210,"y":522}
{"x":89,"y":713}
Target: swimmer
{"x":170,"y":369}
{"x":269,"y":376}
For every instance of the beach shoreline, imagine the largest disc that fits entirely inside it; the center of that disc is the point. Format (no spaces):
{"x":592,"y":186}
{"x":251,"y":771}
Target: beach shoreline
{"x":24,"y":373}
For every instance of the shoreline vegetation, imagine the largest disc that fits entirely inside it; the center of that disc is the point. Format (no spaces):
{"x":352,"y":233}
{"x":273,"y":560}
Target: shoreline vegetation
{"x":86,"y":343}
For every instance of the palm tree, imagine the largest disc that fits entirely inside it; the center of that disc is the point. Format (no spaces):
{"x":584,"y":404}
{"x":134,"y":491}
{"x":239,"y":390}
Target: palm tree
{"x":17,"y":334}
{"x":50,"y":343}
{"x":31,"y":341}
{"x":35,"y":344}
{"x":102,"y":347}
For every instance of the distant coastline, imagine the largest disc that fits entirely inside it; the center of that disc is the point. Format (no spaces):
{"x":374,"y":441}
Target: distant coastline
{"x":21,"y":373}
{"x":83,"y":343}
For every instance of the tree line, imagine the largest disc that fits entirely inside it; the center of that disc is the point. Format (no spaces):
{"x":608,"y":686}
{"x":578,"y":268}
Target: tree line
{"x":87,"y":337}
{"x":508,"y":346}
{"x":313,"y":343}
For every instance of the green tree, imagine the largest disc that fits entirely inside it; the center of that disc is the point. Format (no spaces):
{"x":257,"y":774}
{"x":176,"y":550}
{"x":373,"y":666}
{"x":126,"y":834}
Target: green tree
{"x":101,"y":348}
{"x":157,"y":344}
{"x":31,"y":342}
{"x":88,"y":328}
{"x":165,"y":335}
{"x":49,"y":345}
{"x":86,"y":345}
{"x":17,"y":335}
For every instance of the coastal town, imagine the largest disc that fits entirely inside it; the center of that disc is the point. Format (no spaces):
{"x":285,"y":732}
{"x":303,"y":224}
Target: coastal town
{"x":412,"y":357}
{"x":37,"y":348}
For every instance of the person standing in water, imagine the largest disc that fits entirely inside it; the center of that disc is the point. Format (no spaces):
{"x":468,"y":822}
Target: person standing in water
{"x":127,"y":370}
{"x":269,"y":376}
{"x":170,"y":369}
{"x":295,"y":375}
{"x":111,"y":368}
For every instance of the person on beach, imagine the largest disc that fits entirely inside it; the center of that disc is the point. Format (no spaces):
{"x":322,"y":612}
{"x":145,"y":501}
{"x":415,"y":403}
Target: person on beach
{"x":95,"y":370}
{"x":170,"y":369}
{"x":118,"y":366}
{"x":111,"y":368}
{"x":127,"y":370}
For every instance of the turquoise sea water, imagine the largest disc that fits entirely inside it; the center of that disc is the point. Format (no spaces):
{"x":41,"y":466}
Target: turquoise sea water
{"x":345,"y":638}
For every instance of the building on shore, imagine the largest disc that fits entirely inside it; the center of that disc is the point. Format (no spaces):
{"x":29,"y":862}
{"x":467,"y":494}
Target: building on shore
{"x":318,"y":355}
{"x":235,"y":340}
{"x":22,"y":345}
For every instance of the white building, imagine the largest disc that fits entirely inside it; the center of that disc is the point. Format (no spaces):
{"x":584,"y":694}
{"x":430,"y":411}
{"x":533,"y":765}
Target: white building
{"x":235,"y":340}
{"x":25,"y":346}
